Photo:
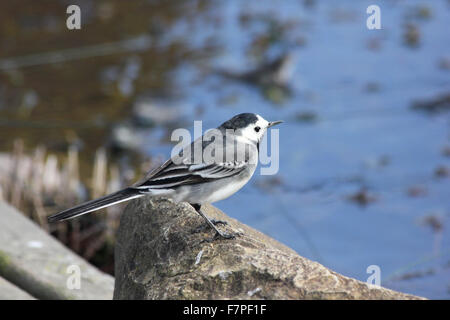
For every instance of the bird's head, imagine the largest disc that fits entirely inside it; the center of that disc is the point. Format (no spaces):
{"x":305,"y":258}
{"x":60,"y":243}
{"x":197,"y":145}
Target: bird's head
{"x":249,"y":125}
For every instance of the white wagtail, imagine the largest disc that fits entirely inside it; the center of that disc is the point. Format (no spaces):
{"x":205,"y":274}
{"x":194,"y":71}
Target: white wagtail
{"x":232,"y":162}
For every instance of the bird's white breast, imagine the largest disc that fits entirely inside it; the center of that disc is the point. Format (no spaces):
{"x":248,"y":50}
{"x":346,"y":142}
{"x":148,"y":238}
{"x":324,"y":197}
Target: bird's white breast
{"x":227,"y":190}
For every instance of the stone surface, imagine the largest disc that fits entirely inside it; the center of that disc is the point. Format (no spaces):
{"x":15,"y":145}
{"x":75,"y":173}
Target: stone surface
{"x":161,"y":253}
{"x":8,"y":291}
{"x":38,"y":264}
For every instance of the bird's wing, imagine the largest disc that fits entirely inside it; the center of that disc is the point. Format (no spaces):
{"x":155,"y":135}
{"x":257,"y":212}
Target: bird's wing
{"x":153,"y":173}
{"x":172,"y":175}
{"x":186,"y":171}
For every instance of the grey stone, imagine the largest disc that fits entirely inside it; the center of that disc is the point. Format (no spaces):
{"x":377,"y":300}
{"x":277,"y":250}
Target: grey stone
{"x":161,"y":253}
{"x":37,"y":263}
{"x":8,"y":291}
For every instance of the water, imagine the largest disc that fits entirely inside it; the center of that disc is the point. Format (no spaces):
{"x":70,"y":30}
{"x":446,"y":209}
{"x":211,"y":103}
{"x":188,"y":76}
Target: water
{"x":365,"y":138}
{"x":362,"y":139}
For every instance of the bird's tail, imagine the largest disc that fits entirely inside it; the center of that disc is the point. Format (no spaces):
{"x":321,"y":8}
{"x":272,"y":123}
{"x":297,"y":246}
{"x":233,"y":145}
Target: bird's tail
{"x":93,"y":205}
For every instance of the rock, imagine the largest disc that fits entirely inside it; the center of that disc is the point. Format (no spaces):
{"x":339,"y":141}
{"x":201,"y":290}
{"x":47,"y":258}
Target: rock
{"x":37,"y":263}
{"x":8,"y":291}
{"x":162,"y":252}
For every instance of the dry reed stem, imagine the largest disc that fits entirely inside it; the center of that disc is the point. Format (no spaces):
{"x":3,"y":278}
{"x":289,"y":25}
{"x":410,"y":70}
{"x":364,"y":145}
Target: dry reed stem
{"x":39,"y":185}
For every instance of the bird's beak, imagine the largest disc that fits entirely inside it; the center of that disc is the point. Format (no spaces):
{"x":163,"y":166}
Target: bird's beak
{"x":273,"y":123}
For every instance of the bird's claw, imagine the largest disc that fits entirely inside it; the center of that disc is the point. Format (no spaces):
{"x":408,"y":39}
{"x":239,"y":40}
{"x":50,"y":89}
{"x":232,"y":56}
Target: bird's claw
{"x":225,"y":235}
{"x":218,"y":235}
{"x":216,"y":222}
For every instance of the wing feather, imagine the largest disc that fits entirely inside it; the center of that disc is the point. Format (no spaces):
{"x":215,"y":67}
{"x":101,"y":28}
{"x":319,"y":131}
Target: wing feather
{"x":178,"y":175}
{"x":171,"y":175}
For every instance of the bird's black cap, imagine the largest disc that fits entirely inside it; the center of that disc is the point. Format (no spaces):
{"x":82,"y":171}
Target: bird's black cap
{"x":240,"y":121}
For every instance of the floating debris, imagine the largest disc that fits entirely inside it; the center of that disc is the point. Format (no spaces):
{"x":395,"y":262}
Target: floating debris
{"x":414,"y":275}
{"x":444,"y":63}
{"x":442,"y":172}
{"x":309,"y":3}
{"x":411,"y":35}
{"x":273,"y":33}
{"x":434,"y":222}
{"x":276,"y":72}
{"x":420,"y":12}
{"x":229,"y":99}
{"x":384,"y":160}
{"x":372,"y":87}
{"x":378,"y":161}
{"x":374,"y":44}
{"x":424,"y":12}
{"x":276,"y":94}
{"x":271,"y":77}
{"x":148,"y":111}
{"x":269,"y":183}
{"x":362,"y":197}
{"x":434,"y":105}
{"x":306,"y":117}
{"x":417,"y":191}
{"x":446,"y":151}
{"x":340,"y":15}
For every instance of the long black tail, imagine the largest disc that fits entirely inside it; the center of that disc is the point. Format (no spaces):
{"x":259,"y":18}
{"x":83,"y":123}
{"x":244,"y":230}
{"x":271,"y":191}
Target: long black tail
{"x":93,"y":205}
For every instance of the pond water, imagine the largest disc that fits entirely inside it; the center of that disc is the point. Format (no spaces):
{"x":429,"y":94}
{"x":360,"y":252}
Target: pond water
{"x":363,"y":178}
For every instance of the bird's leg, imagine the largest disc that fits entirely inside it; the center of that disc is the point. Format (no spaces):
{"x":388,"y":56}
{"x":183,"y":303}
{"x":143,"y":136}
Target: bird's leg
{"x":212,"y":223}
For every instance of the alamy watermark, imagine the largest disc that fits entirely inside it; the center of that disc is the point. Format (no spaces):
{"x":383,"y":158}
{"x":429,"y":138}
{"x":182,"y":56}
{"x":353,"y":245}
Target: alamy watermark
{"x":74,"y":279}
{"x":374,"y":20}
{"x":73,"y":21}
{"x":375,"y":275}
{"x":225,"y":147}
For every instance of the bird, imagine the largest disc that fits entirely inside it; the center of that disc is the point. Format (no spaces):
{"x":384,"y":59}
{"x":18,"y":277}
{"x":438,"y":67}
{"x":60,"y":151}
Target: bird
{"x":194,"y":175}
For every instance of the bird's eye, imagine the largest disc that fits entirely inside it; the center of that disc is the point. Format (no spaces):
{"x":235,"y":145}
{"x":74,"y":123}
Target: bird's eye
{"x":257,"y":129}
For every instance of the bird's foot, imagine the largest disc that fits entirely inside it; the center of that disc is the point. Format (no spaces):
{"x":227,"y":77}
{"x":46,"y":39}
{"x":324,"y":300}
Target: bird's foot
{"x":221,"y":235}
{"x":216,"y":222}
